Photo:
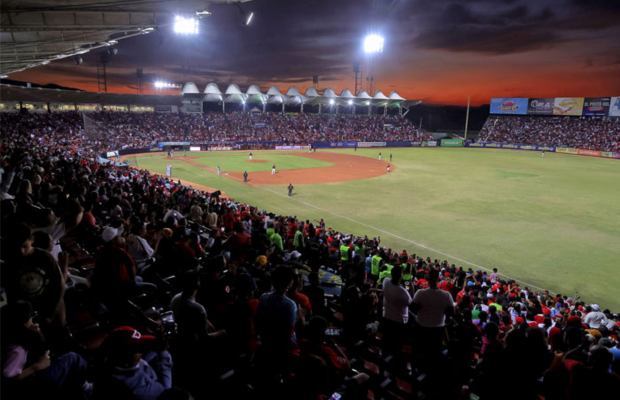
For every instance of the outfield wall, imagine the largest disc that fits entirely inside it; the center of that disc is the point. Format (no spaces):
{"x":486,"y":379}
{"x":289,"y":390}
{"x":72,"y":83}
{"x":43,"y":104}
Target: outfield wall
{"x":552,"y":149}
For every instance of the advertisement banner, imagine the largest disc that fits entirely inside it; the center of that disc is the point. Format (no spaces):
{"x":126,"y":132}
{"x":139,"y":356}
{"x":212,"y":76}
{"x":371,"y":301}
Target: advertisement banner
{"x":371,"y":144}
{"x":528,"y":147}
{"x":476,"y":144}
{"x":614,"y":107}
{"x":546,"y":148}
{"x":568,"y":106}
{"x":493,"y":145}
{"x":451,"y":142}
{"x":541,"y":106}
{"x":609,"y":154}
{"x":194,"y":148}
{"x":345,"y":144}
{"x":416,"y":144}
{"x":163,"y":144}
{"x":590,"y":153}
{"x":510,"y":146}
{"x":566,"y":150}
{"x":512,"y":106}
{"x":292,"y":147}
{"x":596,"y":106}
{"x":429,"y":143}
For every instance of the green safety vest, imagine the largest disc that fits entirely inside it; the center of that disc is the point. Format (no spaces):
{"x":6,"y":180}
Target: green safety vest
{"x":361,"y":251}
{"x":409,"y":276}
{"x":375,"y":263}
{"x":386,"y":274}
{"x":344,"y":253}
{"x":298,"y":240}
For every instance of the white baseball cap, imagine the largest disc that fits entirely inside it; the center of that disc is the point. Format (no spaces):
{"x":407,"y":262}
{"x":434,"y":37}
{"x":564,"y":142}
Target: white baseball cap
{"x":110,"y":233}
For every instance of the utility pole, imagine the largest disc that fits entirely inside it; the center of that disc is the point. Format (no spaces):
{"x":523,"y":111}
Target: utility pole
{"x":467,"y":118}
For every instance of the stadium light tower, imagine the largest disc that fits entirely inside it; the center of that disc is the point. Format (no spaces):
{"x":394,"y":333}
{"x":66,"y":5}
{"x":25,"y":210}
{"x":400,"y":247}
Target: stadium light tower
{"x":373,"y":43}
{"x":188,"y":26}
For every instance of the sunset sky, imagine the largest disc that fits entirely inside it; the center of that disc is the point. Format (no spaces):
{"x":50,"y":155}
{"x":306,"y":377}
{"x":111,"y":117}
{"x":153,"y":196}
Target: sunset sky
{"x":438,"y":51}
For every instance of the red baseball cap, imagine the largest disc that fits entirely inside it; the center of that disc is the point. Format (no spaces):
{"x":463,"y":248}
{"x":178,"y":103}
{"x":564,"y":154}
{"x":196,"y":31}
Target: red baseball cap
{"x":519,"y":320}
{"x":129,"y":338}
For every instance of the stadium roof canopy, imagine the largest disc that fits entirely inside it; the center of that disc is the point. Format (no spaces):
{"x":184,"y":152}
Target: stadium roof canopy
{"x":293,"y":96}
{"x":40,"y":95}
{"x":37,"y":32}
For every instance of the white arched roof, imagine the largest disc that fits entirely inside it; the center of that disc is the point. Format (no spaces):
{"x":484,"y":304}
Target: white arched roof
{"x":213,"y":98}
{"x":253,"y":89}
{"x":379,"y":95}
{"x":329,"y":93}
{"x":233,"y":89}
{"x":273,"y":91}
{"x":363,"y":95}
{"x":311,"y":92}
{"x":347,"y":94}
{"x":277,"y":99}
{"x":190,"y":87}
{"x":212,"y":88}
{"x":293,"y":91}
{"x":293,"y":96}
{"x":395,"y":96}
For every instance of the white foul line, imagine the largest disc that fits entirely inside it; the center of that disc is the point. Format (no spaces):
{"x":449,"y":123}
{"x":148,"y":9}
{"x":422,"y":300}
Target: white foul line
{"x":394,"y":235}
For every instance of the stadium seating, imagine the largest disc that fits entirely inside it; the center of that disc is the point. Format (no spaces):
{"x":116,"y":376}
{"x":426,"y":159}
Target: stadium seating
{"x":128,"y":275}
{"x":601,"y":134}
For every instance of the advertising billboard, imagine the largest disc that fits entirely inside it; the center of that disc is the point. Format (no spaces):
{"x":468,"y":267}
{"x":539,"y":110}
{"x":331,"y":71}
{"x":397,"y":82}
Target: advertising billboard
{"x":451,"y":142}
{"x":614,"y":107}
{"x":591,"y":153}
{"x":512,"y":106}
{"x":596,"y":106}
{"x":568,"y":106}
{"x":540,"y":106}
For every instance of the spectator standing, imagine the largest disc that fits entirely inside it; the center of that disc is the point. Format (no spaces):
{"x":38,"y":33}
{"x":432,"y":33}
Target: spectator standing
{"x":396,"y":300}
{"x":596,"y":318}
{"x":432,"y":306}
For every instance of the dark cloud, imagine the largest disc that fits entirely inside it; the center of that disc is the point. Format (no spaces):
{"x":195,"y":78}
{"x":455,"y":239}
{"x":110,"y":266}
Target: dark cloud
{"x":289,"y":41}
{"x":487,"y":40}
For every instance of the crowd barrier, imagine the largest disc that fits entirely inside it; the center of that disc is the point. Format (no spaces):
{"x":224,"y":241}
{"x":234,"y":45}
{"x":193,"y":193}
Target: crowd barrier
{"x":564,"y":150}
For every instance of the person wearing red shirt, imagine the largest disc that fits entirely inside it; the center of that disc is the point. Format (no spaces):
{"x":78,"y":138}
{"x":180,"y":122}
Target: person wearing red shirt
{"x":238,"y":243}
{"x":301,"y":299}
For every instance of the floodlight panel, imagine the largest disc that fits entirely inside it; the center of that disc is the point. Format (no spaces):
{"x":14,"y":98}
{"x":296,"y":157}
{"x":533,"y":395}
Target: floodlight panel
{"x":373,"y":43}
{"x":249,"y":19}
{"x":184,"y":25}
{"x":331,"y":101}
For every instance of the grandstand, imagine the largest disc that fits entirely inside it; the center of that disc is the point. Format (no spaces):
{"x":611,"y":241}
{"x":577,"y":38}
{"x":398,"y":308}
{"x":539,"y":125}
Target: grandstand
{"x":244,"y":242}
{"x":132,"y":246}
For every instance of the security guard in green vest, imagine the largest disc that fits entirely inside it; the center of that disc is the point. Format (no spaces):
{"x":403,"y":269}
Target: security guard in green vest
{"x":375,"y":265}
{"x":345,"y":250}
{"x":386,"y":272}
{"x":360,"y":250}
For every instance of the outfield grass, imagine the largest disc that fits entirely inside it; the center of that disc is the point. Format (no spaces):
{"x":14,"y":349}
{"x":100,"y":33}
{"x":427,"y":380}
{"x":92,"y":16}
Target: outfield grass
{"x":552,"y":222}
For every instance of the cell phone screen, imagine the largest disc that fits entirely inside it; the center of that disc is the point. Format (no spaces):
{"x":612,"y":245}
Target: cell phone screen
{"x":335,"y":396}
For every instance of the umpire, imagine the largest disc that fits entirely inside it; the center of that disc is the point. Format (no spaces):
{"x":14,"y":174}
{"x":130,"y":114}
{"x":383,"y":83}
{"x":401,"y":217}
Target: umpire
{"x":290,"y":189}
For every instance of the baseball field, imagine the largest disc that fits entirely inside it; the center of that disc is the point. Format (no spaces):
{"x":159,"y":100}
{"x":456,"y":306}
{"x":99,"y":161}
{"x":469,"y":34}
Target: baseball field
{"x":550,"y":223}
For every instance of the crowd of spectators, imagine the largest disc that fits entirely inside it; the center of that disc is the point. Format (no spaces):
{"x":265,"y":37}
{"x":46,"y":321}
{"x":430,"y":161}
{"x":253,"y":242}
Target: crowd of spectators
{"x":109,"y":131}
{"x":126,"y":285}
{"x":576,"y":132}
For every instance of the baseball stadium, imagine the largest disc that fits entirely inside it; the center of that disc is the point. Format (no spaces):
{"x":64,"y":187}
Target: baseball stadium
{"x":236,"y":232}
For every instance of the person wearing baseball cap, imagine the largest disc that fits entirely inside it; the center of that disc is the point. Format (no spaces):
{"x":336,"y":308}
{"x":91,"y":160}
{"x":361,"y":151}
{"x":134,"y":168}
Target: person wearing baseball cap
{"x":133,"y":364}
{"x":596,"y":318}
